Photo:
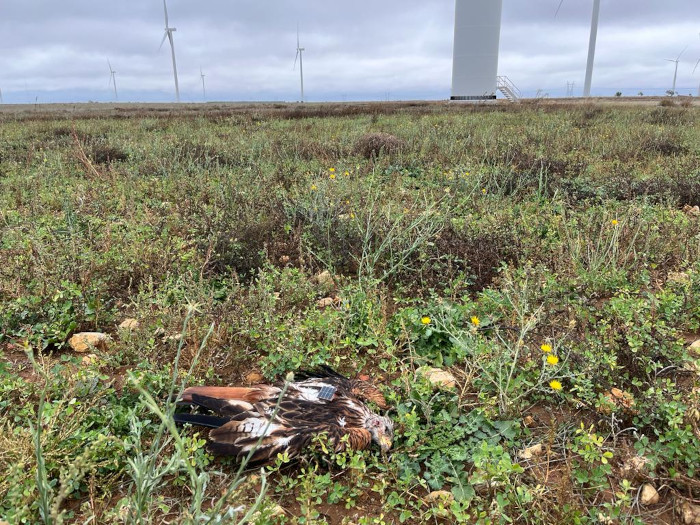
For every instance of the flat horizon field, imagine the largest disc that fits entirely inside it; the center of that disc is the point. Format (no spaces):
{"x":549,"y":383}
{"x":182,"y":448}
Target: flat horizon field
{"x":542,"y":258}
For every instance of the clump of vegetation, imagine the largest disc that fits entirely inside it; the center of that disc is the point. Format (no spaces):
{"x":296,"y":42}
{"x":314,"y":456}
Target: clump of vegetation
{"x":546,"y":256}
{"x":370,"y":145}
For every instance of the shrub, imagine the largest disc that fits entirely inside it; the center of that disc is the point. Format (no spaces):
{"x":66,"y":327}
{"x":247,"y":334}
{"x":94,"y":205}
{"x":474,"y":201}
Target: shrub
{"x":372,"y":145}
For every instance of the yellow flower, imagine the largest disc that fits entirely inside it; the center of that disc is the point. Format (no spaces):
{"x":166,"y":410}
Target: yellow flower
{"x":466,"y":174}
{"x":332,"y":170}
{"x":352,"y":215}
{"x":614,"y":222}
{"x":556,"y":385}
{"x":475,"y":320}
{"x":552,"y":359}
{"x":447,"y":190}
{"x":332,"y":175}
{"x":483,"y":191}
{"x":313,"y":187}
{"x":347,"y":173}
{"x":425,"y":320}
{"x":546,"y":348}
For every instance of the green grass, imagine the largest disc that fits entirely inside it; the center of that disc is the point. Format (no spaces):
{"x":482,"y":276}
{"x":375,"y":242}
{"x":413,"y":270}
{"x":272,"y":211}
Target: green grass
{"x":508,"y":227}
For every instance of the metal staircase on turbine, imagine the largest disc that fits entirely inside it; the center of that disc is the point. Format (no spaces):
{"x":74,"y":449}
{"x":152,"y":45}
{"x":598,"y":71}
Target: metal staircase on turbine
{"x":508,"y":89}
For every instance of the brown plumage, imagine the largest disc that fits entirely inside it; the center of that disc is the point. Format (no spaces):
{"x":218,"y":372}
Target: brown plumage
{"x":245,"y":418}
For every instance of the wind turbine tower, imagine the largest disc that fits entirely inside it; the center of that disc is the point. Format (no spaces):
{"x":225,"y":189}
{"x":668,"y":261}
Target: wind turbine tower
{"x":591,"y":49}
{"x":591,"y":46}
{"x":204,"y":89}
{"x":169,"y":35}
{"x":299,"y":55}
{"x":475,"y":52}
{"x":113,"y":79}
{"x":696,"y":66}
{"x":675,"y":72}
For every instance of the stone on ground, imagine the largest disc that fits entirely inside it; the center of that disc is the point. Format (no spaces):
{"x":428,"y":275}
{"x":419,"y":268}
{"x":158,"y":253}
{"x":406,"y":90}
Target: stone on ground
{"x":86,"y":341}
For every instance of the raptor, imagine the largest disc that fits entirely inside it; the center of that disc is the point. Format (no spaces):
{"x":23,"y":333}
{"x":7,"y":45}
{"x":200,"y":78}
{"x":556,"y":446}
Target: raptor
{"x":265,"y":420}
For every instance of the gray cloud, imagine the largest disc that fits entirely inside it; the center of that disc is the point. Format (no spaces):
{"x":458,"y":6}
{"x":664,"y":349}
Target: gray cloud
{"x":360,"y":49}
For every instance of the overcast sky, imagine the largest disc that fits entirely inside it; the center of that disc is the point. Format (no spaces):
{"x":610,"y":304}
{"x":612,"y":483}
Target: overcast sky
{"x":54,"y":51}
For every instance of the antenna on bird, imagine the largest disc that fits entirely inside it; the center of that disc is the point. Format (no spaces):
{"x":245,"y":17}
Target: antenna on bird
{"x":299,"y":55}
{"x":169,"y":35}
{"x":204,"y":89}
{"x":113,"y":79}
{"x":591,"y":45}
{"x":675,"y":72}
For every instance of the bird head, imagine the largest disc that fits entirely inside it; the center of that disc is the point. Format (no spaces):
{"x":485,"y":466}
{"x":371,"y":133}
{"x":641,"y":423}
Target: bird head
{"x":382,"y":431}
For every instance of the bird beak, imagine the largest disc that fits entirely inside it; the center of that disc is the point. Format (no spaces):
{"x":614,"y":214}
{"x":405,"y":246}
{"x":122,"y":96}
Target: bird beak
{"x":385,"y":443}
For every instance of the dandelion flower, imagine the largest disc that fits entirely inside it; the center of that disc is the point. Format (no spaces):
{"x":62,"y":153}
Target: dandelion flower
{"x":347,"y":173}
{"x":313,"y":187}
{"x":552,"y":359}
{"x":475,"y":320}
{"x":332,"y":170}
{"x":614,"y":222}
{"x":555,"y":385}
{"x":332,"y":175}
{"x":483,"y":191}
{"x":352,"y":215}
{"x":546,"y":348}
{"x":425,"y":320}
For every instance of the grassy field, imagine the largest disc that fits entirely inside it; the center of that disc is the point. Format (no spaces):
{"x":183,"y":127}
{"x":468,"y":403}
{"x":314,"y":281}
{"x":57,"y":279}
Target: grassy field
{"x":546,"y":255}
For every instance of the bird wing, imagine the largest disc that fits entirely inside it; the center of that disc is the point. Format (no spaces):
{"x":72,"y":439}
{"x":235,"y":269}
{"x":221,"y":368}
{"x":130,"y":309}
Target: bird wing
{"x":251,"y":394}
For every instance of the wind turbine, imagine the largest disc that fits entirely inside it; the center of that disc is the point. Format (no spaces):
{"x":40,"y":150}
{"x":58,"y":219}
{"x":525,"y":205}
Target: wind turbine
{"x":299,"y":55}
{"x":696,"y":66}
{"x":1,"y":101}
{"x":202,"y":75}
{"x":169,"y":35}
{"x":591,"y":46}
{"x":675,"y":73}
{"x":113,"y":79}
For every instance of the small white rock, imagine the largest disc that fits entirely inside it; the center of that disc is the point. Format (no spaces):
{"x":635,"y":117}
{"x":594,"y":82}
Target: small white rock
{"x":87,"y":360}
{"x":531,"y":452}
{"x":129,"y":324}
{"x":690,"y":513}
{"x":439,"y":378}
{"x":634,"y":467}
{"x":324,"y":278}
{"x":649,"y":495}
{"x":325,"y":302}
{"x":440,"y":495}
{"x":86,"y":341}
{"x":691,"y":211}
{"x":678,"y":277}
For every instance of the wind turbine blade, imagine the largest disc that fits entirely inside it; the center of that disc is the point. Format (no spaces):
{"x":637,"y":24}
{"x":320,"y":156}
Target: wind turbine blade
{"x":295,"y":60}
{"x":679,"y":56}
{"x":558,"y":8}
{"x":696,"y":65}
{"x":163,"y":41}
{"x":165,"y":8}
